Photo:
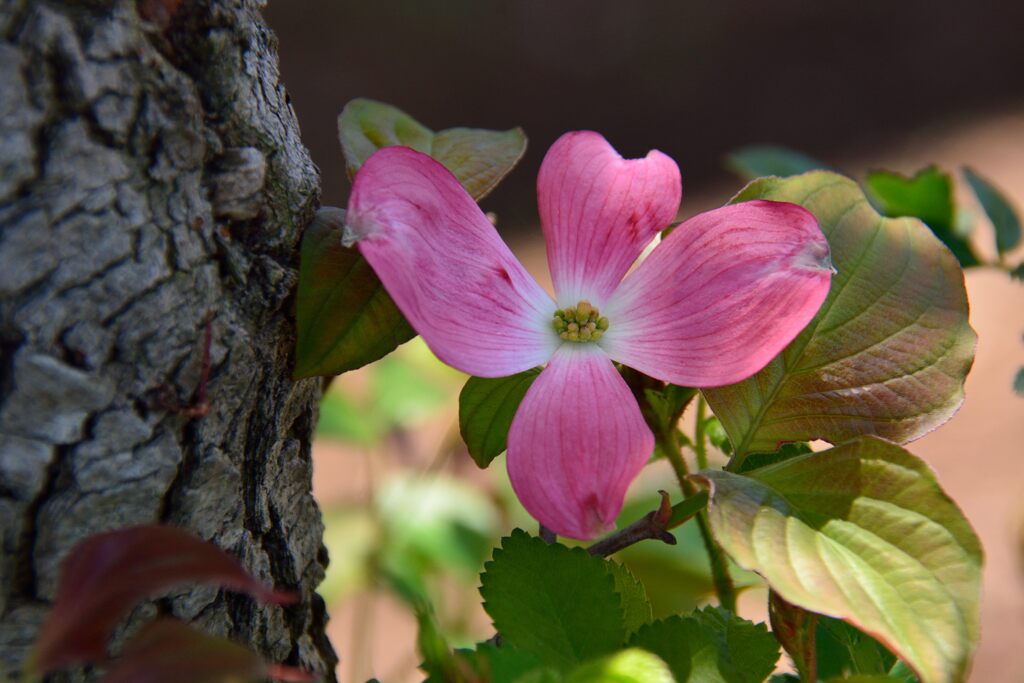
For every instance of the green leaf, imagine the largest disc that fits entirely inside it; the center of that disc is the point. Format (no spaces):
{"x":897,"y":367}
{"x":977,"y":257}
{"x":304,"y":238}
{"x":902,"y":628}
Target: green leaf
{"x":553,"y":602}
{"x":486,"y":409}
{"x":629,"y":666}
{"x":928,"y":195}
{"x":364,"y":126}
{"x":1017,"y":273}
{"x":345,"y":318}
{"x":844,"y":650}
{"x":1018,"y":382}
{"x":711,"y":646}
{"x":478,"y":158}
{"x":902,"y":673}
{"x":758,"y":161}
{"x":504,"y":664}
{"x":830,"y":647}
{"x":545,"y":675}
{"x":899,"y":674}
{"x":665,"y":406}
{"x":997,"y":208}
{"x":716,"y":434}
{"x":788,"y":450}
{"x":636,"y":607}
{"x":439,"y":661}
{"x":889,"y":349}
{"x":686,"y":509}
{"x":862,"y":532}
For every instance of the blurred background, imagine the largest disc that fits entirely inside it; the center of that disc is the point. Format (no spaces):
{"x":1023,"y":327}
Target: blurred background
{"x":857,"y":85}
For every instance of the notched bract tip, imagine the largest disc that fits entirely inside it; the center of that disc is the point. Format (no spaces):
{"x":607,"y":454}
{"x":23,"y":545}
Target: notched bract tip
{"x":815,"y":255}
{"x":356,"y":228}
{"x":348,"y":236}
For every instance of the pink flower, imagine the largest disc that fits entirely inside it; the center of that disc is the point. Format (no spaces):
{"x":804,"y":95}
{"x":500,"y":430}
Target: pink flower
{"x":713,"y":303}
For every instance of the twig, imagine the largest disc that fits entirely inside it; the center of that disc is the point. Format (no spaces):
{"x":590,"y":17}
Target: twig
{"x":654,"y":525}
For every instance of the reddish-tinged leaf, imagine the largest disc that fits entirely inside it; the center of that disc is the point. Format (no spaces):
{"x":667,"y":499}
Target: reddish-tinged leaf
{"x":289,"y":674}
{"x":168,"y":651}
{"x":106,"y":575}
{"x":345,"y":317}
{"x":889,"y":349}
{"x":795,"y":628}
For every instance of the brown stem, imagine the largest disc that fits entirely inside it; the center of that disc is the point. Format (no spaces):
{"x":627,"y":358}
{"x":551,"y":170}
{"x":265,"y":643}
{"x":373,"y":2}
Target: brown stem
{"x":655,"y":525}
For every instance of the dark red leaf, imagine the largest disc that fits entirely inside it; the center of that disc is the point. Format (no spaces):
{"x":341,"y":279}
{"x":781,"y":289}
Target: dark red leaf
{"x":168,"y":651}
{"x":106,"y":575}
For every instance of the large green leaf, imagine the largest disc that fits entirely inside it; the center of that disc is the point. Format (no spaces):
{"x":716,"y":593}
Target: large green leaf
{"x":711,"y":646}
{"x":555,"y":603}
{"x":503,"y":664}
{"x":478,"y":158}
{"x":887,"y":353}
{"x":997,"y":208}
{"x":486,"y":409}
{"x":844,"y":650}
{"x":927,"y":195}
{"x":864,"y":533}
{"x":345,"y":318}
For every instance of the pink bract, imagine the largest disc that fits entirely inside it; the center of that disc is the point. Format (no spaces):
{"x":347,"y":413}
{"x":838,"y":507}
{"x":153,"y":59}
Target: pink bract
{"x":723,"y":294}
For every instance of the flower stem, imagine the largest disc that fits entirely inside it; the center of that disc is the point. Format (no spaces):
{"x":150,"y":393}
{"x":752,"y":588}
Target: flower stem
{"x":700,"y":448}
{"x":720,"y":576}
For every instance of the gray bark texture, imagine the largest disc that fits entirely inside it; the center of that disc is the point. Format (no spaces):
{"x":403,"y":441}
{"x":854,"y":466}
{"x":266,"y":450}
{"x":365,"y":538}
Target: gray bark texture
{"x":152,"y":179}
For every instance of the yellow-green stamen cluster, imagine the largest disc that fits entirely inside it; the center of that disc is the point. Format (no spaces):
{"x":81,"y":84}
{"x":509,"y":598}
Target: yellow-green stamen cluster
{"x":581,"y":323}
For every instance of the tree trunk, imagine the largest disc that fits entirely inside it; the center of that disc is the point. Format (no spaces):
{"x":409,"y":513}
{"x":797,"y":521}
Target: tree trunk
{"x":153,"y":188}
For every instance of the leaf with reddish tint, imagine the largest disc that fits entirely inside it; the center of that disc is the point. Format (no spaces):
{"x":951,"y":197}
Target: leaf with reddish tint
{"x":479,"y":158}
{"x":106,"y":575}
{"x":888,"y":351}
{"x":345,"y":317}
{"x":795,"y":628}
{"x":168,"y":651}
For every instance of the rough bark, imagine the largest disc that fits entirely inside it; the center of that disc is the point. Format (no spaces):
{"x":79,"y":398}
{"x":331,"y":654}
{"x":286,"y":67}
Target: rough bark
{"x":151,"y":174}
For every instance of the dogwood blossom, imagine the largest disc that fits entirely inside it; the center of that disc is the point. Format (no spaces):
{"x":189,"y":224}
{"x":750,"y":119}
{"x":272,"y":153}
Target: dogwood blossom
{"x":717,"y":299}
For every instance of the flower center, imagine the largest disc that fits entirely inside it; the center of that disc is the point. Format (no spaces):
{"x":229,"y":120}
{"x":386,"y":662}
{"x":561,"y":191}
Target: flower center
{"x":581,"y":323}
